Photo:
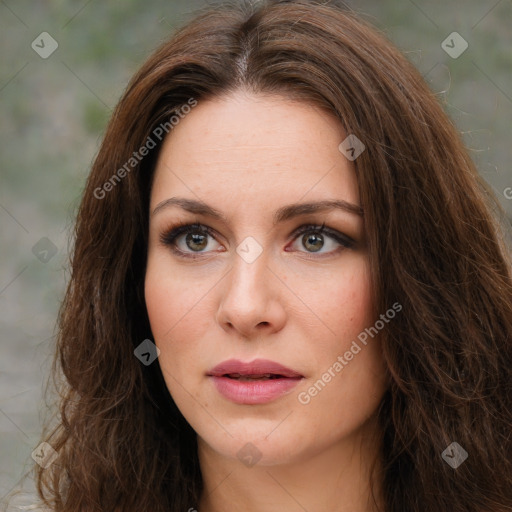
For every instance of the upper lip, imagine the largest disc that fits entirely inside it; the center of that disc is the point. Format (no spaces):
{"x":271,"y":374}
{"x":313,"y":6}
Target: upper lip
{"x":256,"y":367}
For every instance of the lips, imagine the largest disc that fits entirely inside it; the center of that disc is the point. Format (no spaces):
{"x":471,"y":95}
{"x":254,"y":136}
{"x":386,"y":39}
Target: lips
{"x":257,"y":369}
{"x":257,"y":382}
{"x":252,"y":377}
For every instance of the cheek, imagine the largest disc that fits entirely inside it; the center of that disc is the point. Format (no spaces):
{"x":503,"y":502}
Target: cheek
{"x":357,"y":389}
{"x":175,"y":317}
{"x":355,"y":298}
{"x":176,"y":313}
{"x":344,"y":303}
{"x":346,"y":308}
{"x":171,"y":298}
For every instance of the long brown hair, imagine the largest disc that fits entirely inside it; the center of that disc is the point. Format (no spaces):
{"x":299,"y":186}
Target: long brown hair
{"x":434,"y":244}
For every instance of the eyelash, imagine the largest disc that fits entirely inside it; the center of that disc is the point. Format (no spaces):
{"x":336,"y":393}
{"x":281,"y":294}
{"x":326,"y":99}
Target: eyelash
{"x":168,"y":238}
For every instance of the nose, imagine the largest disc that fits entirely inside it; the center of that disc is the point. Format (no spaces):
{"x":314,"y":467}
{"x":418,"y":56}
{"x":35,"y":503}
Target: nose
{"x":251,"y":303}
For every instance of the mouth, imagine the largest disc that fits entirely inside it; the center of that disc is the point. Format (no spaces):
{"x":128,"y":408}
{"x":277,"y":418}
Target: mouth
{"x":266,"y":376}
{"x":257,"y":369}
{"x":256,"y":382}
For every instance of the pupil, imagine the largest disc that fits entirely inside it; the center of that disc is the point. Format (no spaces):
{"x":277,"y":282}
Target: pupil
{"x":198,"y":240}
{"x":310,"y":240}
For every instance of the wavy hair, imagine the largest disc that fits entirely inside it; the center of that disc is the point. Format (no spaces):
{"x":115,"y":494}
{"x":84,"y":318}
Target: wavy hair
{"x":435,"y":246}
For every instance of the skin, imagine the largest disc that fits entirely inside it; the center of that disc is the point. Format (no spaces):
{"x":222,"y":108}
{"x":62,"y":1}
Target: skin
{"x":246,"y":155}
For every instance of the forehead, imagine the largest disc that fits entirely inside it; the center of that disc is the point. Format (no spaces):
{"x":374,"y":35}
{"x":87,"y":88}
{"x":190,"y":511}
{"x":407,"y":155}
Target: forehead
{"x":254,"y":151}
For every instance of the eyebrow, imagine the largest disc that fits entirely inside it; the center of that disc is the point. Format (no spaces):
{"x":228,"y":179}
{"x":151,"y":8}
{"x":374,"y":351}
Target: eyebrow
{"x":281,"y":215}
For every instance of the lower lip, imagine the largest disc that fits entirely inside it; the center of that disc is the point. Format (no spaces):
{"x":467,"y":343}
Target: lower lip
{"x":255,"y":391}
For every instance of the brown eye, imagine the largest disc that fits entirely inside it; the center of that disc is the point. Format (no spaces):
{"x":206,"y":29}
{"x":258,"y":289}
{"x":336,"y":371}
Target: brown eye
{"x":196,"y":242}
{"x":187,"y":239}
{"x":313,"y":242}
{"x":321,"y":239}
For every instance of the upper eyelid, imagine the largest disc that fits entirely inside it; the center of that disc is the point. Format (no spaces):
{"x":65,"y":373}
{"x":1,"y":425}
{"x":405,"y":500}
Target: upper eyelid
{"x":325,"y":230}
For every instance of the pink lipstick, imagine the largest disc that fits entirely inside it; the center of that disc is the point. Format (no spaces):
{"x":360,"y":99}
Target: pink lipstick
{"x":256,"y":382}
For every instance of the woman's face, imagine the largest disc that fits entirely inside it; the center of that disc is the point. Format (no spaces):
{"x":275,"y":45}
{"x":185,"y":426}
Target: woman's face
{"x":250,"y":281}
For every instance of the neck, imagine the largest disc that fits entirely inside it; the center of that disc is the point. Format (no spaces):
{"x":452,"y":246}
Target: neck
{"x":336,"y":479}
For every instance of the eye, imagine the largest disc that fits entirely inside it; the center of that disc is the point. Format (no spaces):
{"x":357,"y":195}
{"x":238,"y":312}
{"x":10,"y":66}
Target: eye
{"x":193,"y":240}
{"x":317,"y":238}
{"x":187,"y":239}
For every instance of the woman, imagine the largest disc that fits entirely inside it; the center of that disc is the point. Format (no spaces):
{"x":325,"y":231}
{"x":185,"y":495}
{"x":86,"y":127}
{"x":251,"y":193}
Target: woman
{"x":288,"y":288}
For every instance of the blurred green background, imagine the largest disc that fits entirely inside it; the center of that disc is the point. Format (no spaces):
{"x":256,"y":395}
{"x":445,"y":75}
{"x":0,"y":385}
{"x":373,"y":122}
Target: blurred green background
{"x":53,"y":112}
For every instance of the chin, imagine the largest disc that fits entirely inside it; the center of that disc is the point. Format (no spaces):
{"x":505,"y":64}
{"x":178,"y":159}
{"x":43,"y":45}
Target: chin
{"x":254,"y":444}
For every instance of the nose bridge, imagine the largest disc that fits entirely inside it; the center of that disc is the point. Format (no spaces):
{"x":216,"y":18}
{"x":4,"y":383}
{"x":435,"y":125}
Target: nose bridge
{"x":249,"y":277}
{"x":250,"y":299}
